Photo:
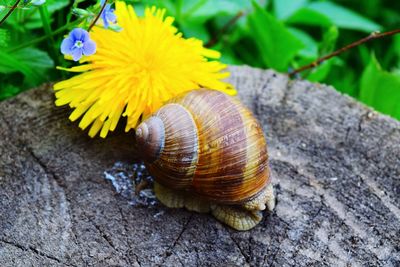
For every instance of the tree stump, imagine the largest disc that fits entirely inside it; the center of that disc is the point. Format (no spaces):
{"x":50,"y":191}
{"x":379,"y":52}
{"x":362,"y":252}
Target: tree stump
{"x":335,"y":166}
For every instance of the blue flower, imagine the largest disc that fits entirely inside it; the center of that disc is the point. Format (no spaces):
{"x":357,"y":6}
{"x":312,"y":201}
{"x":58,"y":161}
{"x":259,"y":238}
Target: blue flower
{"x":77,"y":44}
{"x":108,"y":14}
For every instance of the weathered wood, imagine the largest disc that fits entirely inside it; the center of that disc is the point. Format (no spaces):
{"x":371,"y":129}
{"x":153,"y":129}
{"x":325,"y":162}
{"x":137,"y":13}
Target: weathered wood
{"x":335,"y":164}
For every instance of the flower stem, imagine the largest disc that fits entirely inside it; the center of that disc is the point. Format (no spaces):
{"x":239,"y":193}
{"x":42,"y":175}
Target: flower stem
{"x":98,"y":16}
{"x":42,"y":38}
{"x":44,"y":15}
{"x":10,"y":11}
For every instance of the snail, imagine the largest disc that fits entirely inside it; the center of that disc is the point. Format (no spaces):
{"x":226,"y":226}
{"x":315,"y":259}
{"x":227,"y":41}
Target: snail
{"x":207,"y":152}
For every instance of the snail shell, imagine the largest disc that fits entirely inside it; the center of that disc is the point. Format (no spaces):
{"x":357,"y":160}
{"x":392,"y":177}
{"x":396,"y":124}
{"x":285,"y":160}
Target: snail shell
{"x":208,"y":144}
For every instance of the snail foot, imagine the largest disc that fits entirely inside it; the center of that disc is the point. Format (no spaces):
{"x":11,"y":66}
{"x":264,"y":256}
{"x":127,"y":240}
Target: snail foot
{"x":236,"y":217}
{"x":169,"y":197}
{"x":265,"y":199}
{"x":194,"y":203}
{"x":175,"y":199}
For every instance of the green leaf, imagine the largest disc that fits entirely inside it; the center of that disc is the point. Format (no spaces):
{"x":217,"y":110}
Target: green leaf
{"x":380,"y":89}
{"x":4,"y":38}
{"x":247,"y":52}
{"x":310,"y":49}
{"x":35,"y":58}
{"x":31,"y":62}
{"x":396,"y":113}
{"x":194,"y":29}
{"x":141,"y":5}
{"x":193,"y":15}
{"x":54,"y":5}
{"x":284,"y":8}
{"x":328,"y":42}
{"x":396,"y":45}
{"x":9,"y":63}
{"x":309,"y":16}
{"x":320,"y":73}
{"x":343,"y":78}
{"x":8,"y":90}
{"x":228,"y":55}
{"x":364,"y":55}
{"x":33,"y":19}
{"x":276,"y":44}
{"x":344,"y":18}
{"x":203,"y":10}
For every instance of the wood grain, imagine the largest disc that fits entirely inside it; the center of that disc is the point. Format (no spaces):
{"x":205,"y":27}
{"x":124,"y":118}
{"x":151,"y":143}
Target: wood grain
{"x":335,"y":166}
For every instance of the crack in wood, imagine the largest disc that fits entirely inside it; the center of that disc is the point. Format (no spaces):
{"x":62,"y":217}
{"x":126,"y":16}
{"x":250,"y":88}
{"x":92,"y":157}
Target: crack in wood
{"x":125,"y":224}
{"x":47,"y":171}
{"x":103,"y":235}
{"x":35,"y":251}
{"x":255,"y":101}
{"x":246,"y":258}
{"x":55,"y":177}
{"x":318,"y":211}
{"x":286,"y":92}
{"x":337,"y":207}
{"x":340,"y":220}
{"x":274,"y":255}
{"x":169,"y":250}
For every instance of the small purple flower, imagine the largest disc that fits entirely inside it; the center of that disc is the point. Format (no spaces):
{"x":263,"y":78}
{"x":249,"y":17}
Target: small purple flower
{"x":108,"y":14}
{"x":77,"y":44}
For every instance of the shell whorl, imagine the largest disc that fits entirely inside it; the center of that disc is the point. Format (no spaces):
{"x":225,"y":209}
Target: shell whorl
{"x":213,"y":147}
{"x":150,"y":137}
{"x":177,"y":161}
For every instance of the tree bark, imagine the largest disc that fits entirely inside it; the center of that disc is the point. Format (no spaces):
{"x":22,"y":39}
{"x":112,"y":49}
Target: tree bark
{"x":335,"y":167}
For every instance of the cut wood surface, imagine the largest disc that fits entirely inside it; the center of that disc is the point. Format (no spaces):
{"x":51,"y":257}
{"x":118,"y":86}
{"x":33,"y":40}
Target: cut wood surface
{"x":335,"y":166}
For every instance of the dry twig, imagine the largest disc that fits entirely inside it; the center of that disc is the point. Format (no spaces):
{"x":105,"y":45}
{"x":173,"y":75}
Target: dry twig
{"x":372,"y":36}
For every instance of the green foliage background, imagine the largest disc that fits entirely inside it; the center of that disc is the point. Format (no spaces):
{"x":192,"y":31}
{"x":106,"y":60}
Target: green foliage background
{"x":278,"y":34}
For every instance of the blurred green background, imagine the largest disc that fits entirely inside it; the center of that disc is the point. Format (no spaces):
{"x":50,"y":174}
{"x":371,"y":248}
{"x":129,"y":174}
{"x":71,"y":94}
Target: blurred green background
{"x":278,"y":34}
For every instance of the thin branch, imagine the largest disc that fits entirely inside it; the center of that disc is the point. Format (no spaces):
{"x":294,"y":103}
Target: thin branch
{"x":224,"y":29}
{"x":372,"y":36}
{"x":98,"y":16}
{"x":42,"y":38}
{"x":10,"y":11}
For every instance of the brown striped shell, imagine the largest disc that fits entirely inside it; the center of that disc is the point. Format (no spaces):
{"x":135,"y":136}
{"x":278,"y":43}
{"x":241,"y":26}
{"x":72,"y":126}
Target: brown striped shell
{"x":208,"y":143}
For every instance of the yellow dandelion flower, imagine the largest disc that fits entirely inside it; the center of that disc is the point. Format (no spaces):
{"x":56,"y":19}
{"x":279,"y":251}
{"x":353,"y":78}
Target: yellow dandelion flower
{"x":135,"y":70}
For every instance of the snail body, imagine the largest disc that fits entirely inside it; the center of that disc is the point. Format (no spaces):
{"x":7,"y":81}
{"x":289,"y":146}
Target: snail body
{"x":207,"y":152}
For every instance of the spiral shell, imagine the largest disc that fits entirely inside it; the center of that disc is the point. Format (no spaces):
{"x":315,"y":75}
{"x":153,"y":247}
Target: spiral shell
{"x":208,"y":143}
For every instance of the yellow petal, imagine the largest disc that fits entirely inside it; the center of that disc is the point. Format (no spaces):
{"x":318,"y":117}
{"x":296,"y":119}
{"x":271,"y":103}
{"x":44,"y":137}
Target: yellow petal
{"x":135,"y":70}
